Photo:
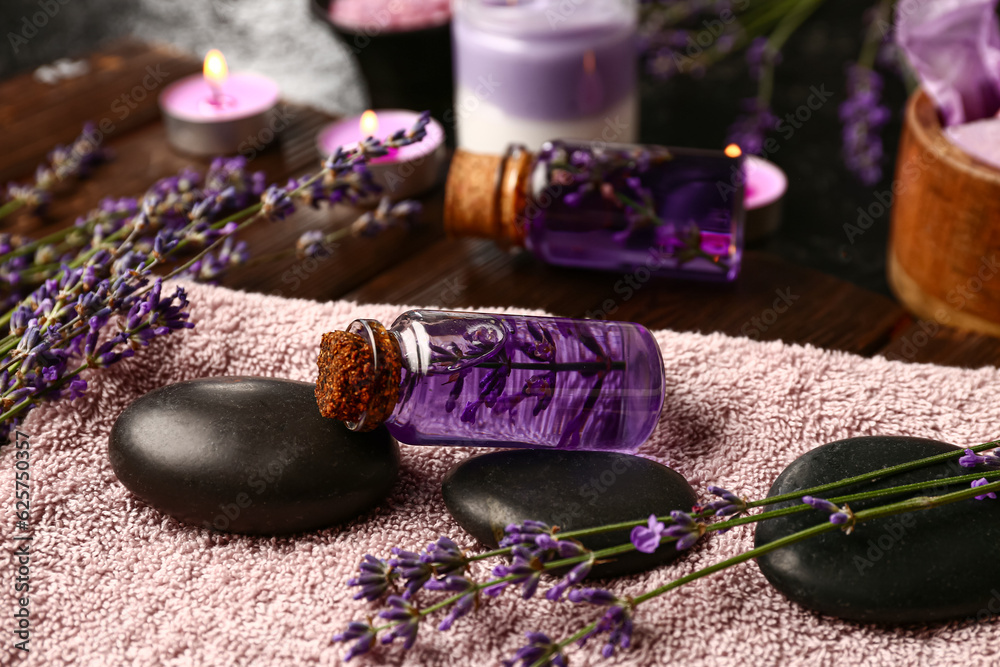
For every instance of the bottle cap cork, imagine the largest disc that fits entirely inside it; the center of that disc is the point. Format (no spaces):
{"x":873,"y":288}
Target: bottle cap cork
{"x":359,"y":375}
{"x":485,"y":195}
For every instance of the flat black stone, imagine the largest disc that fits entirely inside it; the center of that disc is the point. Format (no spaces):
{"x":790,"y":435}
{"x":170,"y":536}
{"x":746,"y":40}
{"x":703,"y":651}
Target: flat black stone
{"x":249,"y":455}
{"x":931,"y":565}
{"x":572,"y":490}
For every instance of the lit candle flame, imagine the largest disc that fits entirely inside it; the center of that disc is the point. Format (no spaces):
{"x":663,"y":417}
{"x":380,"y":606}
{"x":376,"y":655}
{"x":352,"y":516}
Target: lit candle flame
{"x":589,"y":62}
{"x":732,"y":150}
{"x":216,"y":72}
{"x":369,"y":124}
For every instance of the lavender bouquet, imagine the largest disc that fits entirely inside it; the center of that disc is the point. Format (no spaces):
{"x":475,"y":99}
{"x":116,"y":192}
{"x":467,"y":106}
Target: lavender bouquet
{"x":93,"y":294}
{"x":414,"y":586}
{"x":685,"y":37}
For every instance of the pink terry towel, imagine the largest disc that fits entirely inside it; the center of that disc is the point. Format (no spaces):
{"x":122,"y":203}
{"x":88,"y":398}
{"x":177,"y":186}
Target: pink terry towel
{"x":114,"y":582}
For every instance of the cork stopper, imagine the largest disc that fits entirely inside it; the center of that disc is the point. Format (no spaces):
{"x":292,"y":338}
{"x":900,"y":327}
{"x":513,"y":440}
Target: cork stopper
{"x":359,"y":375}
{"x":485,"y":195}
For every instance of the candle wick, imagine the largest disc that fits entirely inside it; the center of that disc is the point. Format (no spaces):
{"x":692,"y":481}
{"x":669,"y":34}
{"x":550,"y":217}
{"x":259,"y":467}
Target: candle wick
{"x":216,"y":94}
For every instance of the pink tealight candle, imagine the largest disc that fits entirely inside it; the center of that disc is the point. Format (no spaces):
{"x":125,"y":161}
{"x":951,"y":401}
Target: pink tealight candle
{"x":765,"y":186}
{"x":405,"y":172}
{"x":218,"y":113}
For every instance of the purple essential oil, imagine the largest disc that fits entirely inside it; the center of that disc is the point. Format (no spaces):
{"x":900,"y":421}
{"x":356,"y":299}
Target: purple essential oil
{"x":670,"y":212}
{"x":481,"y":379}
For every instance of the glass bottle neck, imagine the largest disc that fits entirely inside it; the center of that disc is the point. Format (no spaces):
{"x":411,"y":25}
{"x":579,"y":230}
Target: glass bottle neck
{"x":414,"y":347}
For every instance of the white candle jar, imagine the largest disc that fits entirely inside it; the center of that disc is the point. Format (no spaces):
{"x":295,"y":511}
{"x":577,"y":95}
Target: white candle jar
{"x":529,"y":71}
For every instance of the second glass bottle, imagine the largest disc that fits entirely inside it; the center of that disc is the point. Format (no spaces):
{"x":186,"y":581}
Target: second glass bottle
{"x":671,"y":211}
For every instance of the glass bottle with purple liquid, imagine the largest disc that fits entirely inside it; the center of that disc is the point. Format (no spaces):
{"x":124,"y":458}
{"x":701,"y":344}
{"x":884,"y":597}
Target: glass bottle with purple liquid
{"x":673,"y":212}
{"x":478,"y":379}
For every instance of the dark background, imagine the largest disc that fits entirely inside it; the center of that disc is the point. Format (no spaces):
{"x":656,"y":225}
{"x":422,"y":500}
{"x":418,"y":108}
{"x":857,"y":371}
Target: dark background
{"x":823,"y":196}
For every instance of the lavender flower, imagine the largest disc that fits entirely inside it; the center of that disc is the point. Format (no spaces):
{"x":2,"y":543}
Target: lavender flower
{"x":750,"y":129}
{"x":685,"y":529}
{"x":530,"y":552}
{"x":455,"y":584}
{"x":415,"y":570}
{"x":445,"y":556}
{"x":538,"y":648}
{"x":64,"y":162}
{"x":971,"y":460}
{"x":573,"y":577}
{"x":863,"y":117}
{"x":617,"y":623}
{"x":375,"y":578}
{"x":838,"y":515}
{"x":277,"y":205}
{"x":364,"y":633}
{"x":760,"y":55}
{"x":524,"y":534}
{"x":564,"y":548}
{"x":386,"y":216}
{"x":525,"y":569}
{"x":212,"y":266}
{"x":311,"y":244}
{"x":406,"y":618}
{"x":597,"y":596}
{"x":727,"y":505}
{"x":647,"y":538}
{"x":983,"y":482}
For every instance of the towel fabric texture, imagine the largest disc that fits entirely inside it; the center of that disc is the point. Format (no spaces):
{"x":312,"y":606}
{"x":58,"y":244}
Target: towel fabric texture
{"x":115,"y":582}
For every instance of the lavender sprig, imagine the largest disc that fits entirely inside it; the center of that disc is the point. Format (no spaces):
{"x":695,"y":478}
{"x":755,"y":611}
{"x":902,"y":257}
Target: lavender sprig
{"x":537,"y":541}
{"x":863,"y":116}
{"x":862,"y":113}
{"x":63,"y":163}
{"x":95,"y":282}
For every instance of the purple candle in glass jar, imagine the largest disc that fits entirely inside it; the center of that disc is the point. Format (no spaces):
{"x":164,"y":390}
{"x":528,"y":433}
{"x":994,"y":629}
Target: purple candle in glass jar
{"x":478,"y":379}
{"x":527,"y":71}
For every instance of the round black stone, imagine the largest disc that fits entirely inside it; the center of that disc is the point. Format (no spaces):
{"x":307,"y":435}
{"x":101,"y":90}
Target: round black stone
{"x":929,"y":565}
{"x":572,"y":490}
{"x":249,"y":455}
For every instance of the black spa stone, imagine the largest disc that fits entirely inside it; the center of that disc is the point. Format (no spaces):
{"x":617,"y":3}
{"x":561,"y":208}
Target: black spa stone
{"x":572,"y":490}
{"x":931,"y":565}
{"x":249,"y":455}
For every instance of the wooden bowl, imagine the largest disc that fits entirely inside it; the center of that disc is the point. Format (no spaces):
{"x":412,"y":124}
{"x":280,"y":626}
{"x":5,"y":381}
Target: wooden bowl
{"x":944,"y":246}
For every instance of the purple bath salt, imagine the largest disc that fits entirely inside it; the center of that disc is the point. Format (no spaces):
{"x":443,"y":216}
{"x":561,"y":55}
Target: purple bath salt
{"x":479,"y":379}
{"x":390,"y":15}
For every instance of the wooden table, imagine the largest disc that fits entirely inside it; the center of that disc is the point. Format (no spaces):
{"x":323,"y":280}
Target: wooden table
{"x":772,"y":300}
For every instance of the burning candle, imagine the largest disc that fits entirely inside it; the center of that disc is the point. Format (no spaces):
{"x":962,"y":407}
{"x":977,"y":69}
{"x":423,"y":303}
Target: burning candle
{"x":220,"y":113}
{"x":403,"y":173}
